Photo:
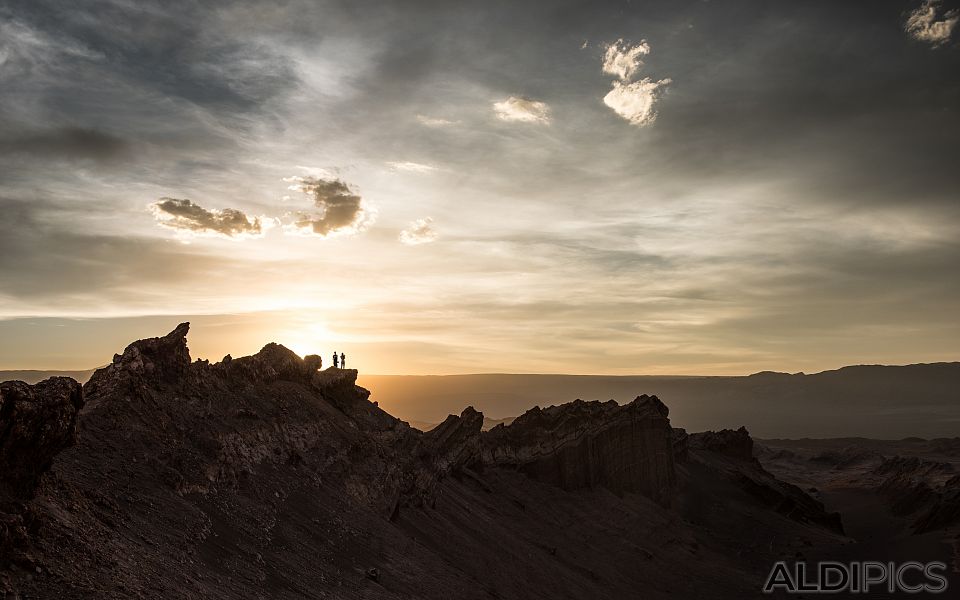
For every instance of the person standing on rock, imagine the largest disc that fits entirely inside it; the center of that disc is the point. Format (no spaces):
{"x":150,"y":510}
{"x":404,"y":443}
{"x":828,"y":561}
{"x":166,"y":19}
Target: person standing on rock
{"x":335,"y":364}
{"x":343,"y":360}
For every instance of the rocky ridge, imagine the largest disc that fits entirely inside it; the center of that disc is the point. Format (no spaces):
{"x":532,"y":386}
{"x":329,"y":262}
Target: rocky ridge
{"x":264,"y":476}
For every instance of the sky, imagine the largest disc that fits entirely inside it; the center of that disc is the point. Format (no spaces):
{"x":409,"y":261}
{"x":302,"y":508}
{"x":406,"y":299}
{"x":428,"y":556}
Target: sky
{"x":644,"y":187}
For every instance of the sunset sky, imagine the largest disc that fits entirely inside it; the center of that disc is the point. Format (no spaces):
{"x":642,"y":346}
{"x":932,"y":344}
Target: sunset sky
{"x":640,"y":187}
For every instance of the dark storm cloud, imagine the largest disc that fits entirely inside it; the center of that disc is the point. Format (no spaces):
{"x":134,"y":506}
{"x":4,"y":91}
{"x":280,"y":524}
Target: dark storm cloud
{"x":70,"y":143}
{"x":185,"y":215}
{"x":168,"y":73}
{"x":341,"y":210}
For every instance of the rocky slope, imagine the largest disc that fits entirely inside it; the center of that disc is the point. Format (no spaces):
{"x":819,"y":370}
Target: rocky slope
{"x":927,"y":491}
{"x":266,"y":477}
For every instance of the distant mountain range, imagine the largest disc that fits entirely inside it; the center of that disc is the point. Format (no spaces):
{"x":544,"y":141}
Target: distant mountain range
{"x":876,"y":401}
{"x":889,"y":402}
{"x":33,"y":376}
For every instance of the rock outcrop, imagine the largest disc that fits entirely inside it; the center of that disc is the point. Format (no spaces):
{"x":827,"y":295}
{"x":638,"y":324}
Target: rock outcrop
{"x":36,"y":423}
{"x":733,"y":443}
{"x":730,"y":452}
{"x":927,"y":491}
{"x":585,"y":444}
{"x":944,"y":510}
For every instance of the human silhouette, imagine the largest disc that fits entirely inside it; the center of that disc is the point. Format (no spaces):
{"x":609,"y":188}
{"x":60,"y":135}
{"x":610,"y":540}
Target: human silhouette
{"x":343,"y":360}
{"x":335,"y":364}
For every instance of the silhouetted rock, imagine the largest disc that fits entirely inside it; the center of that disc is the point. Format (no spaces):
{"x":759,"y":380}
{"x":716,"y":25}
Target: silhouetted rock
{"x":36,"y":423}
{"x":152,"y":362}
{"x":584,"y":444}
{"x":737,"y":444}
{"x":730,"y":453}
{"x":455,"y":442}
{"x":263,"y":476}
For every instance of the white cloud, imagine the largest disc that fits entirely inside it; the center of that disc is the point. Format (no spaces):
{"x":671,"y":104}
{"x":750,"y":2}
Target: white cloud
{"x":922,"y":24}
{"x":419,"y":232}
{"x":523,"y":110}
{"x":634,"y":101}
{"x":624,"y":60}
{"x":411,"y":167}
{"x":434,"y":121}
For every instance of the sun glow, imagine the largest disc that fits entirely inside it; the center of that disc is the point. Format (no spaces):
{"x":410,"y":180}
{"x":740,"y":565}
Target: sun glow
{"x":308,"y":338}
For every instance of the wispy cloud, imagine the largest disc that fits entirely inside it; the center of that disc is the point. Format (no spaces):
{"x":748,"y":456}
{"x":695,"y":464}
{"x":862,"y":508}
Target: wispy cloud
{"x":924,"y":25}
{"x":419,"y":232}
{"x":632,"y":100}
{"x":523,"y":110}
{"x":435,"y":121}
{"x":184,"y":215}
{"x":411,"y":167}
{"x":339,"y":209}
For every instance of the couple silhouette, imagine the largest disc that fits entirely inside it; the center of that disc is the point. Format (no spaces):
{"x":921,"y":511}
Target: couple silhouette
{"x":339,"y":361}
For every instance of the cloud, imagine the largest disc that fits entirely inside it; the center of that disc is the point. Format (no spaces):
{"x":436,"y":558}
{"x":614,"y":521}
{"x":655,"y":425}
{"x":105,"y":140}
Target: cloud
{"x":419,"y":232}
{"x":184,"y":215}
{"x":434,"y":121}
{"x":411,"y":167}
{"x":623,"y":60}
{"x":922,"y":23}
{"x":341,"y":211}
{"x":634,"y":101}
{"x":523,"y":110}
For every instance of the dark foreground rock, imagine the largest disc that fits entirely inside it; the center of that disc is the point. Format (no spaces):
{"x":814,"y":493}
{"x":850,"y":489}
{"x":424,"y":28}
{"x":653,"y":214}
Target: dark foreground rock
{"x":36,"y":423}
{"x":266,"y":477}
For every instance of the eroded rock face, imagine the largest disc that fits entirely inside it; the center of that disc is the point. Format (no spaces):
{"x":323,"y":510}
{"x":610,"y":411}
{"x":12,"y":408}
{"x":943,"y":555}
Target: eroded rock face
{"x":944,"y":511}
{"x":36,"y":423}
{"x":455,"y":443}
{"x":625,"y":448}
{"x":730,"y":453}
{"x":926,"y":490}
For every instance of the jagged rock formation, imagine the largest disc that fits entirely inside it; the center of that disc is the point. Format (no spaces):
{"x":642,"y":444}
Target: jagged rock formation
{"x":585,"y":444}
{"x":265,"y":477}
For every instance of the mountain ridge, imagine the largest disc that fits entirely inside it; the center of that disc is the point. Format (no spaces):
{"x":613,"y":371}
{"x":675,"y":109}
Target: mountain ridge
{"x":264,"y":476}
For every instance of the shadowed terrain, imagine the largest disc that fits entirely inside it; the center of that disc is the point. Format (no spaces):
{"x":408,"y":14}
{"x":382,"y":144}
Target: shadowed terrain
{"x":266,"y":477}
